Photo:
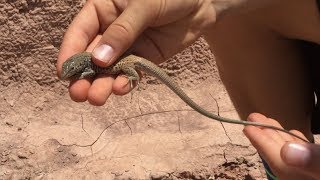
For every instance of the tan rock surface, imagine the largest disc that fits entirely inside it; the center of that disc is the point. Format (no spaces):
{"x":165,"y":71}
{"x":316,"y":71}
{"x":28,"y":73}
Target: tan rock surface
{"x":153,"y":136}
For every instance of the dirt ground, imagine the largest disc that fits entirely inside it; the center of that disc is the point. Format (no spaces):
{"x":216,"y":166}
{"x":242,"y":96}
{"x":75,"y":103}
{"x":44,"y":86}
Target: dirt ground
{"x":149,"y":135}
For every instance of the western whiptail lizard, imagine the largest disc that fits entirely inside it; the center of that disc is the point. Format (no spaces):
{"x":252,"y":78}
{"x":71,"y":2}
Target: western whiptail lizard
{"x":80,"y":66}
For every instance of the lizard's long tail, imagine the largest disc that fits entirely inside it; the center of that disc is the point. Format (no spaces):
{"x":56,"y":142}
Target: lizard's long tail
{"x":154,"y":70}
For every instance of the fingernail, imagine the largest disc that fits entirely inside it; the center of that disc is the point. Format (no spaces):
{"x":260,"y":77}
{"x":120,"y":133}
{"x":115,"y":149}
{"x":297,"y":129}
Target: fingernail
{"x":297,"y":155}
{"x":103,"y":53}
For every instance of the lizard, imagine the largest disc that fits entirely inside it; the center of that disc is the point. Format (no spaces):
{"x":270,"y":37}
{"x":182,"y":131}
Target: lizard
{"x":80,"y":66}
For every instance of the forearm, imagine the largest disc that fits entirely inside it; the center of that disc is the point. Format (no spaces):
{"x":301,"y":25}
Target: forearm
{"x":281,"y":17}
{"x":245,"y":5}
{"x":222,"y":5}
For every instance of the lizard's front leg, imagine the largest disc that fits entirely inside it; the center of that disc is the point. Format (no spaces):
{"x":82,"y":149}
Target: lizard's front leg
{"x":88,"y":72}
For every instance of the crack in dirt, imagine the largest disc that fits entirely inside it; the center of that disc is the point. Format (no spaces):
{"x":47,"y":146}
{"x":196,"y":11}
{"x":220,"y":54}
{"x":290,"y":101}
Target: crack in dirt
{"x":124,"y":120}
{"x":83,"y":126}
{"x":218,"y":113}
{"x":179,"y":125}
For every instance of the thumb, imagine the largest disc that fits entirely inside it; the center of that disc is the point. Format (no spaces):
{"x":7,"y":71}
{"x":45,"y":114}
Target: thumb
{"x":119,"y":36}
{"x":305,"y":157}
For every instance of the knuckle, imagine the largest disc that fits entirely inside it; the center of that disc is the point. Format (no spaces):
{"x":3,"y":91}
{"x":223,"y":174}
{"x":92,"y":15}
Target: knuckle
{"x":124,"y":30}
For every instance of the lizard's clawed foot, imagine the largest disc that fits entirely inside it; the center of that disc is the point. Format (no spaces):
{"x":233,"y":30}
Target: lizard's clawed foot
{"x":130,"y":81}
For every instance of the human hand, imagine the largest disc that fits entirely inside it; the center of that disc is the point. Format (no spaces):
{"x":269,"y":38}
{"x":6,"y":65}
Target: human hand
{"x":154,"y":29}
{"x":287,"y":156}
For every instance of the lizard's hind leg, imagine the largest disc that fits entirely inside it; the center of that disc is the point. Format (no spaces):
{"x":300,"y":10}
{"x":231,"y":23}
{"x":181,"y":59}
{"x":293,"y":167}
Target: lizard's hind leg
{"x":132,"y":75}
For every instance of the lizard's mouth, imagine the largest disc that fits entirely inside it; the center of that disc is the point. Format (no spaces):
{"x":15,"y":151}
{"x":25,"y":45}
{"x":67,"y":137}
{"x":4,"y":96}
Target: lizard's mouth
{"x":64,"y":75}
{"x":66,"y":72}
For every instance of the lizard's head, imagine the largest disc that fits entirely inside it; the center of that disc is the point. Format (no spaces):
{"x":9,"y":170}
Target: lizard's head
{"x":75,"y":65}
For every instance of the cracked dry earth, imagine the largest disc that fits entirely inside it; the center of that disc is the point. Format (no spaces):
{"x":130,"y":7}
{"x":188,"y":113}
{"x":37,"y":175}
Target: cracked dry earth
{"x":151,"y":135}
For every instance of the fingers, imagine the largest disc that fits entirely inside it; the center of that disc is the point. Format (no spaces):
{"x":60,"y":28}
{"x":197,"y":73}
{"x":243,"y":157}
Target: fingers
{"x":271,"y":146}
{"x":262,"y":141}
{"x":122,"y":32}
{"x":121,"y":23}
{"x":83,"y":35}
{"x":116,"y":39}
{"x":278,"y":136}
{"x":79,"y":35}
{"x":137,"y":15}
{"x":121,"y":86}
{"x":270,"y":132}
{"x":300,"y":134}
{"x":305,"y":157}
{"x":101,"y":89}
{"x":78,"y":90}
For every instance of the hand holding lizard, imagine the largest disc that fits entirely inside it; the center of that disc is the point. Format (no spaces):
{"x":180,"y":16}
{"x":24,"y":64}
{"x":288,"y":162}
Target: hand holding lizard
{"x":153,"y":29}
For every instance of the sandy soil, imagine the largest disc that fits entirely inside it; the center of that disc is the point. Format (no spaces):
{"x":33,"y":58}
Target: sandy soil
{"x":149,"y":135}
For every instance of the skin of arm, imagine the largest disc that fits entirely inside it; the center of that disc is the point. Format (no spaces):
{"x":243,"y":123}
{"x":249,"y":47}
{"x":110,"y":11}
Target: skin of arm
{"x":260,"y":42}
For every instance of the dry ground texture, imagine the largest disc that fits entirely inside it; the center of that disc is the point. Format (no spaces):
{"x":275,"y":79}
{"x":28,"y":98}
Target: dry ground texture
{"x":153,"y":135}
